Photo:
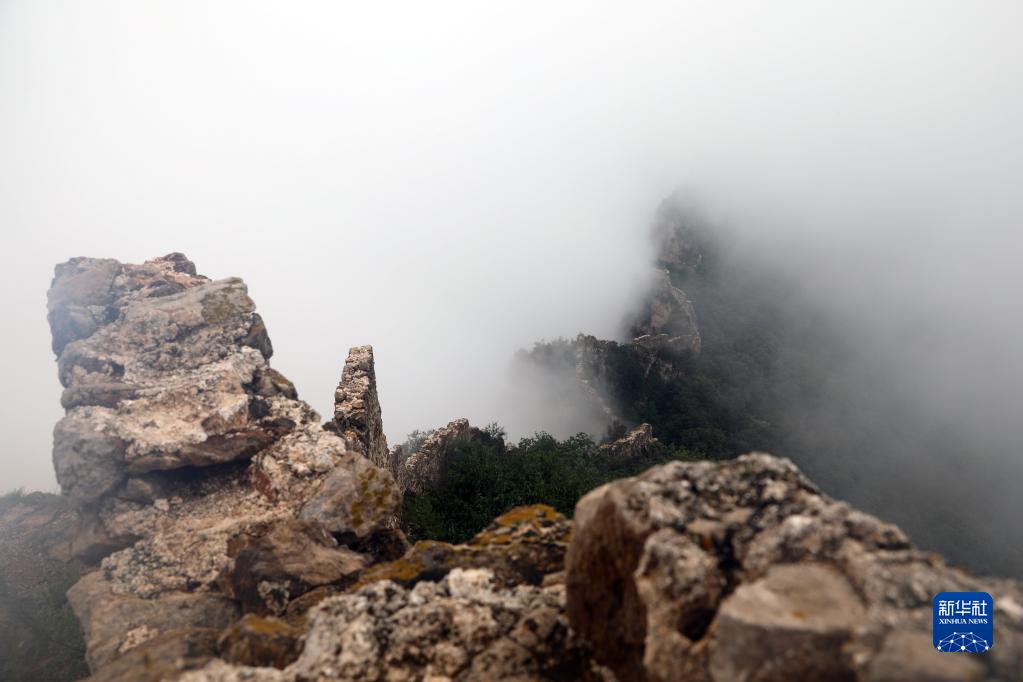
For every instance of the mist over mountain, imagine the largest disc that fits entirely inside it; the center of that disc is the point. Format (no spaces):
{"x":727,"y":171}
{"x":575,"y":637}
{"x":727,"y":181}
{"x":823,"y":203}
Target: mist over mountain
{"x":453,"y":194}
{"x":844,"y":387}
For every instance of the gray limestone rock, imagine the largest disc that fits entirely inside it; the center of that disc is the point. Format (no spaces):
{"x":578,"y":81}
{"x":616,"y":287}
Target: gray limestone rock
{"x":356,"y":497}
{"x":357,"y":406}
{"x":460,"y":628}
{"x":743,"y":570}
{"x":424,"y":467}
{"x":668,"y":311}
{"x":178,"y":440}
{"x":638,"y":443}
{"x":274,"y":564}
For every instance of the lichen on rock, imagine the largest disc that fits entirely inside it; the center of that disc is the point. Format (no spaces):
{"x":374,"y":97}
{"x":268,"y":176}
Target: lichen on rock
{"x":357,"y":414}
{"x":743,"y":570}
{"x":462,"y":627}
{"x":190,"y":459}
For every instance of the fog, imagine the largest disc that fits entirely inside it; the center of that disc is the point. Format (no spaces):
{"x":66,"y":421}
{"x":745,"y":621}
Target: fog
{"x":451,"y":182}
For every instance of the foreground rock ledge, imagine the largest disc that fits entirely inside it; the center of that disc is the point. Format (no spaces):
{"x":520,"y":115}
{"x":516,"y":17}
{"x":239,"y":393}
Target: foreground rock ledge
{"x":715,"y":572}
{"x":743,"y":570}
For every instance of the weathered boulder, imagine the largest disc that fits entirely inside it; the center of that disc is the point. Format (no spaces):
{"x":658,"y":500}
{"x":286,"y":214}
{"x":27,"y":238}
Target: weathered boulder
{"x":525,"y":546}
{"x":191,"y":460}
{"x":161,"y":379}
{"x":356,"y":497}
{"x":743,"y":570}
{"x":163,"y":657}
{"x":790,"y":624}
{"x":461,"y":628}
{"x":115,"y":623}
{"x":260,"y":642}
{"x":423,"y":468}
{"x":169,"y":577}
{"x":357,"y":406}
{"x":275,"y":563}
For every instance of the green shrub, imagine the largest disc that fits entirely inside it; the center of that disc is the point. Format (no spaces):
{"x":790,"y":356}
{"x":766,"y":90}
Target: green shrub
{"x":480,"y":482}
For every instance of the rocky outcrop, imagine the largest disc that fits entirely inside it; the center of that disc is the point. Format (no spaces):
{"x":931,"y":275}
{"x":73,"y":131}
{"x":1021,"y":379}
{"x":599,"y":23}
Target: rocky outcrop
{"x":595,"y":366}
{"x":357,"y":406}
{"x":523,"y":546}
{"x":743,"y":570}
{"x":738,"y":570}
{"x":590,"y":359}
{"x":260,"y":642}
{"x":226,"y":534}
{"x":164,"y":656}
{"x":680,"y":239}
{"x":660,"y":335}
{"x":460,"y":628}
{"x":667,"y":312}
{"x":282,"y":560}
{"x":638,"y":444}
{"x":423,"y":468}
{"x":191,"y":462}
{"x":162,"y":378}
{"x":492,"y":609}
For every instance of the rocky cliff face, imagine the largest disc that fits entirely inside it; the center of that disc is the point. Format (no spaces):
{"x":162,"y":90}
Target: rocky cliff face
{"x":212,"y":489}
{"x":423,"y":468}
{"x":662,"y":334}
{"x":667,"y":312}
{"x":225,"y":534}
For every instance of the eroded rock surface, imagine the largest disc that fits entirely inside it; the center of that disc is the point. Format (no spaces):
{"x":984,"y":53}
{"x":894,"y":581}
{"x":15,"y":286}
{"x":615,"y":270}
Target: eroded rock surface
{"x":285,"y":559}
{"x":260,"y":642}
{"x":523,"y":546}
{"x":423,"y":468}
{"x":637,"y":444}
{"x":743,"y":570}
{"x":193,"y":466}
{"x":357,"y":414}
{"x":668,"y":311}
{"x":159,"y":374}
{"x":228,"y":535}
{"x":462,"y":627}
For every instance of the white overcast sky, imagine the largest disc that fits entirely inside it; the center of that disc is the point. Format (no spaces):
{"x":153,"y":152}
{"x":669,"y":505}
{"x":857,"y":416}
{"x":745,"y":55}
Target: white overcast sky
{"x":451,"y":181}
